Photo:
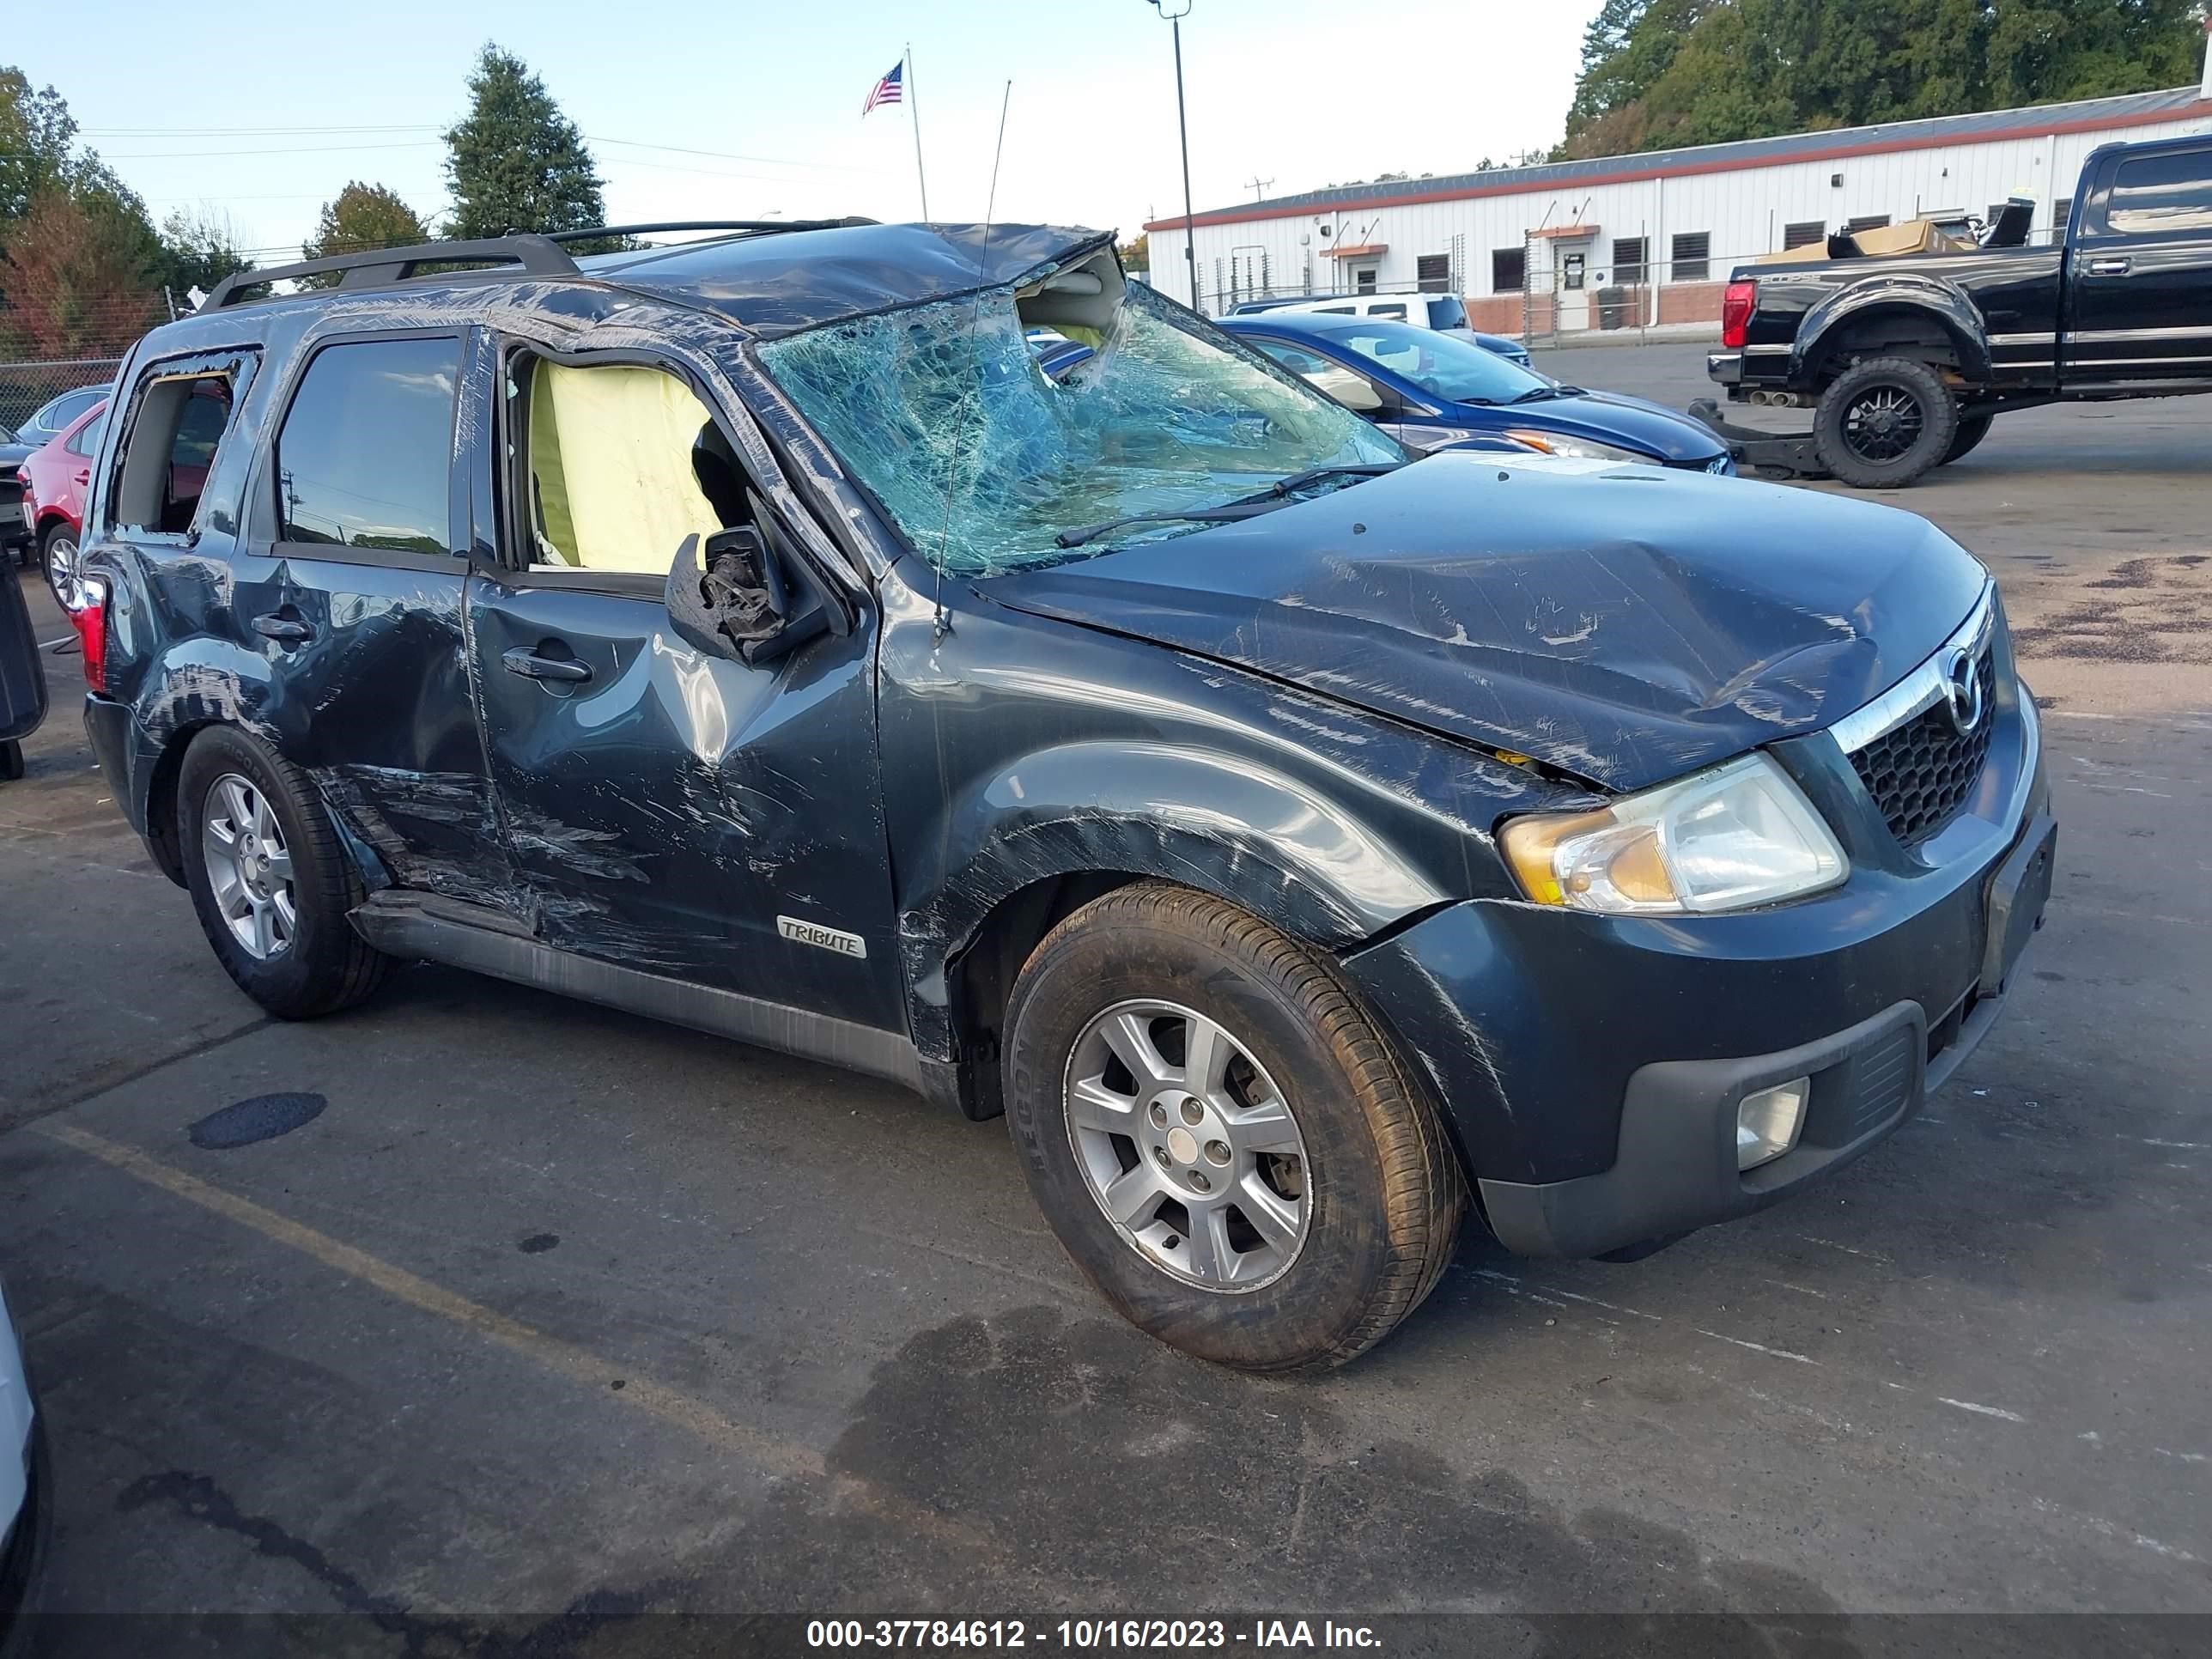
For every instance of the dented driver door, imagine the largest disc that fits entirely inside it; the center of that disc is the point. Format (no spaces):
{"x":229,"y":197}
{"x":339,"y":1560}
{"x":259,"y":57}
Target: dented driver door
{"x":670,"y":810}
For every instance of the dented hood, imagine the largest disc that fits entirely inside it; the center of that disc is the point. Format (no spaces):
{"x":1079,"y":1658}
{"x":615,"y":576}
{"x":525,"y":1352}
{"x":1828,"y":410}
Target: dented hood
{"x":1622,"y":624}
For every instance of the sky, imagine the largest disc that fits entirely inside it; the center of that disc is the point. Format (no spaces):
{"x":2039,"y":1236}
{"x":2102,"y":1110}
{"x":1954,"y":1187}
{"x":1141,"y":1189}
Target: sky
{"x":743,"y":110}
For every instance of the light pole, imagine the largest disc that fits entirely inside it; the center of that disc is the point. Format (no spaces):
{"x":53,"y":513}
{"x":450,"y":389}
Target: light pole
{"x":1182,"y":125}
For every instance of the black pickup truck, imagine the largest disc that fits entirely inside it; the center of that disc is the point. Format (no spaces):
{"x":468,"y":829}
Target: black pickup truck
{"x":1907,"y":359}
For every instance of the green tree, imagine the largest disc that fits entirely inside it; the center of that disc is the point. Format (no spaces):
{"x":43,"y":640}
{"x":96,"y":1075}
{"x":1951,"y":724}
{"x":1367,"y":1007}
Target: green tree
{"x":36,"y":132}
{"x":359,"y":218}
{"x":199,"y":250}
{"x":79,"y":264}
{"x":1661,"y":73}
{"x":79,"y":276}
{"x":515,"y":162}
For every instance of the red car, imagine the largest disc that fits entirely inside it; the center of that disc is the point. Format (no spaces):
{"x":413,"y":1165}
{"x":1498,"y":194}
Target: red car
{"x":54,"y":481}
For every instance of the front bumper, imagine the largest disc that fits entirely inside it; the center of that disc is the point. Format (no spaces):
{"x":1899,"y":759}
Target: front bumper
{"x":1674,"y":1168}
{"x":1590,"y":1068}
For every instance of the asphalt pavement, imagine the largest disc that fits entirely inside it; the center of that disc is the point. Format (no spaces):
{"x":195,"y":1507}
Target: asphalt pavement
{"x":542,"y":1308}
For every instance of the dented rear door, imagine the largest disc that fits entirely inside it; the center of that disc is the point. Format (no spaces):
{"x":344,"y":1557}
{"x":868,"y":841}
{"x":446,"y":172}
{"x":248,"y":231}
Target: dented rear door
{"x":354,"y":606}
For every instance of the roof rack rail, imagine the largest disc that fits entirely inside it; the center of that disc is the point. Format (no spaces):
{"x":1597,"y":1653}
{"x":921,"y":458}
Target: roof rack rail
{"x":761,"y":227}
{"x":538,"y":256}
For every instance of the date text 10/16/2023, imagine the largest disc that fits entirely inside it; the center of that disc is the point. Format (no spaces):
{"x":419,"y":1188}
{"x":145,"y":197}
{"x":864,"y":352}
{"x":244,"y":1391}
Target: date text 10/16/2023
{"x":1087,"y":1634}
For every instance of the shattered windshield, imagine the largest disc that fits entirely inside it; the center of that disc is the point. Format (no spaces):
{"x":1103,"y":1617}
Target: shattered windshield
{"x":942,"y":412}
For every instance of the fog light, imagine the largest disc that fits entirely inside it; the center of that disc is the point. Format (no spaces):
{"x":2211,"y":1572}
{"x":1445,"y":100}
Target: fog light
{"x":1767,"y":1123}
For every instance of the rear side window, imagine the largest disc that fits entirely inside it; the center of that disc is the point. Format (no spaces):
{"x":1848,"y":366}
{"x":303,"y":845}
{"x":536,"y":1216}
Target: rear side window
{"x":365,"y":456}
{"x":66,"y":407}
{"x":180,"y":414}
{"x":86,"y":442}
{"x":2162,"y":192}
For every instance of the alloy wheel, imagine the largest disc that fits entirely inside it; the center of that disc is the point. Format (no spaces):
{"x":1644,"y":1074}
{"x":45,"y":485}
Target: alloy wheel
{"x":1883,"y":424}
{"x":61,"y":569}
{"x":1187,"y":1145}
{"x":248,"y":867}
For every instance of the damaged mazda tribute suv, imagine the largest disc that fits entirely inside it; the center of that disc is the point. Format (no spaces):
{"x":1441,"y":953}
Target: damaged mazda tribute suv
{"x":1296,"y":840}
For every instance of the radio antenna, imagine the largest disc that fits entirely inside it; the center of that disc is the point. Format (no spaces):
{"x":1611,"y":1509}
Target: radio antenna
{"x":941,"y":624}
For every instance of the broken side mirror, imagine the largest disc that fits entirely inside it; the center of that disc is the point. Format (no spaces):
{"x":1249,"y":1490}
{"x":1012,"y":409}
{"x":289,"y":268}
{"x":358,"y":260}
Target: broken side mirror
{"x":728,"y":598}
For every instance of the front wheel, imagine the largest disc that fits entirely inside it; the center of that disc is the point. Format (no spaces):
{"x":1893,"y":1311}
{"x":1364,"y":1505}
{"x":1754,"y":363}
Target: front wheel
{"x":1221,"y":1137}
{"x":1881,"y":424}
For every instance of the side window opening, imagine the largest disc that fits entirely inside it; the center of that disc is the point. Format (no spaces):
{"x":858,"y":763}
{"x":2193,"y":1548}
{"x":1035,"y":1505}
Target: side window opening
{"x":365,"y":456}
{"x":171,"y":448}
{"x":622,"y":462}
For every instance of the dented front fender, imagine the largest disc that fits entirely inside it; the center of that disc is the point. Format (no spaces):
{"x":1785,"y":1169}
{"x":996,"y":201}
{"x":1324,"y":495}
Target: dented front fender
{"x":1017,"y":749}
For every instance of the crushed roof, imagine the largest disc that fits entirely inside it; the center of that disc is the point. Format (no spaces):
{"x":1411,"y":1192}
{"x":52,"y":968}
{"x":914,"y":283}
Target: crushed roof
{"x":777,"y":284}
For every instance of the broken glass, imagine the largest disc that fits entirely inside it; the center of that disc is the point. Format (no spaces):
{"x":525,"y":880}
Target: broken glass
{"x":941,"y":411}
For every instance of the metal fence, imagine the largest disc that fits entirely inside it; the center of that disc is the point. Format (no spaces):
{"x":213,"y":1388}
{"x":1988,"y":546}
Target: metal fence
{"x":25,"y":386}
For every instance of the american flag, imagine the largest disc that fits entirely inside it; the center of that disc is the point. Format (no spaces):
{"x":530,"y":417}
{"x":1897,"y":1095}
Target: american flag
{"x":887,"y":89}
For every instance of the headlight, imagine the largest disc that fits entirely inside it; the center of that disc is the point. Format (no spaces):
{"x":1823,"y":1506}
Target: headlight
{"x":1578,"y":449}
{"x":1738,"y":836}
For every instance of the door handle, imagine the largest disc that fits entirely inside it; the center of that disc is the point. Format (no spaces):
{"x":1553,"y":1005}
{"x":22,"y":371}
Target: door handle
{"x":285,"y":630}
{"x":2109,"y":267}
{"x":527,"y":663}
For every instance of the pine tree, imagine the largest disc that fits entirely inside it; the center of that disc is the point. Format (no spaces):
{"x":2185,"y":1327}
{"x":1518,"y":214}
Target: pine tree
{"x":516,"y":163}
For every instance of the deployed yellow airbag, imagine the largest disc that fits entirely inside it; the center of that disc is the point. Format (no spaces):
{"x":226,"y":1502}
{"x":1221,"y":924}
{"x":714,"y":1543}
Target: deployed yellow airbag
{"x":611,"y":461}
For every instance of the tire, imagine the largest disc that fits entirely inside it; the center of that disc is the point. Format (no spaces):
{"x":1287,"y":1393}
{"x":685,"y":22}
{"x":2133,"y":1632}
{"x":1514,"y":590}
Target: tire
{"x":11,"y":760}
{"x":57,"y":557}
{"x":1973,"y":428}
{"x":1373,"y":1192}
{"x":313,"y":963}
{"x":1880,"y":424}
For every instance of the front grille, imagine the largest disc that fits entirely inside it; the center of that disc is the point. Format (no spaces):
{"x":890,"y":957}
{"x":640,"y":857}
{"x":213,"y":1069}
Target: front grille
{"x":1921,"y":774}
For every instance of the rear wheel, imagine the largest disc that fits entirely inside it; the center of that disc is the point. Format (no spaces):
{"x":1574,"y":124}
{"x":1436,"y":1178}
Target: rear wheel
{"x":11,"y":760}
{"x":270,"y":883}
{"x":1973,"y":428}
{"x":58,"y":557}
{"x":1220,"y":1136}
{"x":1881,"y":424}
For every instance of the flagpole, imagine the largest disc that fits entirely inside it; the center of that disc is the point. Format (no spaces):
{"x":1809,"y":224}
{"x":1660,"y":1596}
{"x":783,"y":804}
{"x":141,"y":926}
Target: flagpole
{"x":914,"y":112}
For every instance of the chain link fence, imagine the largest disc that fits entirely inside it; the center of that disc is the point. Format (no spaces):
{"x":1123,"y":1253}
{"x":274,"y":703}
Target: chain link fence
{"x":27,"y":386}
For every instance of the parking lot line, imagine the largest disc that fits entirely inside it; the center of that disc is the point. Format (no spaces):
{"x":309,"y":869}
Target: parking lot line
{"x":670,"y":1406}
{"x":578,"y":1365}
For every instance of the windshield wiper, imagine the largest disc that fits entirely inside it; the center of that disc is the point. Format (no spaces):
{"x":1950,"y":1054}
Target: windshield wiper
{"x":1314,"y":474}
{"x":1537,"y":394}
{"x":1196,"y":515}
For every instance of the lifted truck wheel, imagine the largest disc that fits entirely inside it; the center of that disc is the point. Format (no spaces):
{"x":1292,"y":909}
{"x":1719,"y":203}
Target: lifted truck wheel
{"x":1973,"y":428}
{"x":1219,"y":1135}
{"x":1881,"y":424}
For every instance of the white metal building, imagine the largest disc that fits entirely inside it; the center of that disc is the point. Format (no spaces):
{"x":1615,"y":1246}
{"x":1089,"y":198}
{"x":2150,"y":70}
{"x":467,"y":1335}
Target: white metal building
{"x":1632,"y":240}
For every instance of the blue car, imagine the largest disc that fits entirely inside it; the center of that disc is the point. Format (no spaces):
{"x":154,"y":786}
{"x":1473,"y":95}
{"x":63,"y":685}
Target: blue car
{"x":1430,"y":388}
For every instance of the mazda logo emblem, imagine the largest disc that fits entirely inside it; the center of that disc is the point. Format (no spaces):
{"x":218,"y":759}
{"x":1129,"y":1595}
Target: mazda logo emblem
{"x":1962,"y":693}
